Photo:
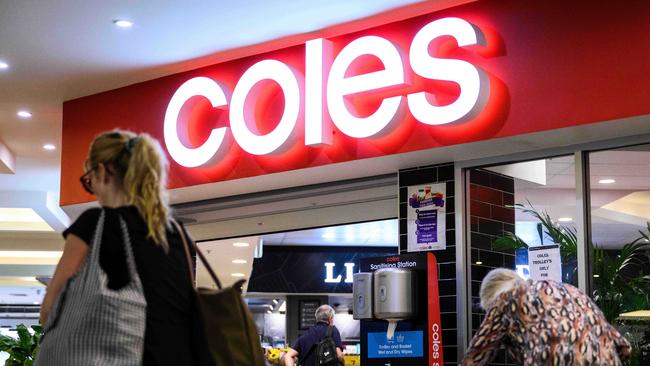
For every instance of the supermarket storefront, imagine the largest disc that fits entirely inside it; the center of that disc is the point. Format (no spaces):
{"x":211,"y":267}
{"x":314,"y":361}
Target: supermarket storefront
{"x":338,"y":126}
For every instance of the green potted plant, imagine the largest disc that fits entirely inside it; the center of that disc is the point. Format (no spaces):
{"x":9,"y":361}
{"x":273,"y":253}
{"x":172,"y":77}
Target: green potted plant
{"x":22,"y":350}
{"x":564,"y":236}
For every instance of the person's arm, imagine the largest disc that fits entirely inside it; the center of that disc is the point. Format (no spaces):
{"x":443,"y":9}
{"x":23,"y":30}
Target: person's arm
{"x":74,"y":255}
{"x":340,"y":356}
{"x":485,"y":344}
{"x":336,"y":335}
{"x":289,"y":356}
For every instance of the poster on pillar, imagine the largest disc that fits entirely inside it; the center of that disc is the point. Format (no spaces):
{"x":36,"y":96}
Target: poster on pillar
{"x":426,"y":217}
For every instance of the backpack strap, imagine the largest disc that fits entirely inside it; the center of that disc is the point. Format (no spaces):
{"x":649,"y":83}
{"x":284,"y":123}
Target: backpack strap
{"x":330,"y":330}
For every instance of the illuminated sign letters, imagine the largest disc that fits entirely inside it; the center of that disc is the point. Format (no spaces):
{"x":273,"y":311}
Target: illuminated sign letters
{"x":329,"y":273}
{"x":325,"y":88}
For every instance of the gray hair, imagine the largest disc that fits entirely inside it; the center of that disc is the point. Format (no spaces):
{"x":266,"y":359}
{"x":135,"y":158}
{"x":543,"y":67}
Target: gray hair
{"x":324,"y":313}
{"x":495,"y":283}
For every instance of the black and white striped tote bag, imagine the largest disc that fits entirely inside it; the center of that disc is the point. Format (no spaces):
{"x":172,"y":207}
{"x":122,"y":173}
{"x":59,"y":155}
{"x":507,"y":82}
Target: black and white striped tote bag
{"x":92,"y":324}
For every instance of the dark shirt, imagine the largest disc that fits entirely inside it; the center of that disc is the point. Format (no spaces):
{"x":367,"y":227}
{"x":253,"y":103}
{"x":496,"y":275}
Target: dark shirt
{"x":310,"y":339}
{"x":171,"y":324}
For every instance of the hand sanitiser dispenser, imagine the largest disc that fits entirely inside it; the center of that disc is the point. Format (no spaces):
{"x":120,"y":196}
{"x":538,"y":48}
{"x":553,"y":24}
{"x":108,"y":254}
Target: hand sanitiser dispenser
{"x":362,"y":296}
{"x":393,"y":296}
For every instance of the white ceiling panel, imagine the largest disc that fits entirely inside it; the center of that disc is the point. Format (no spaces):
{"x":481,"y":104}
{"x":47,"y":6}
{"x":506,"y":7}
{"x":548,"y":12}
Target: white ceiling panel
{"x":378,"y":233}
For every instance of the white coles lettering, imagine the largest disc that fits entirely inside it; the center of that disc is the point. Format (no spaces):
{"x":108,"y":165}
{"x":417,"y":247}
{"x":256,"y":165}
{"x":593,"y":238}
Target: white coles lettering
{"x":242,"y":120}
{"x":474,"y":84}
{"x":329,"y":90}
{"x":339,"y":86}
{"x":183,"y":155}
{"x":318,"y":57}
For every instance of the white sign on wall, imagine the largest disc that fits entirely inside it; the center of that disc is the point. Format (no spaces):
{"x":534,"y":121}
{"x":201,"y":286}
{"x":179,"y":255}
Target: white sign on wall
{"x":545,"y":263}
{"x":426,"y":217}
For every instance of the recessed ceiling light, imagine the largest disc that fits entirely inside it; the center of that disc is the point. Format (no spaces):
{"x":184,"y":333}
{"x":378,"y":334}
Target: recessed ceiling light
{"x":565,"y":219}
{"x":49,"y":147}
{"x":24,"y":114}
{"x":275,"y":301}
{"x":479,"y":262}
{"x":607,"y":181}
{"x":4,"y":65}
{"x":123,"y":23}
{"x":596,"y":276}
{"x":269,"y":312}
{"x":240,"y":244}
{"x":239,"y":261}
{"x":237,"y":274}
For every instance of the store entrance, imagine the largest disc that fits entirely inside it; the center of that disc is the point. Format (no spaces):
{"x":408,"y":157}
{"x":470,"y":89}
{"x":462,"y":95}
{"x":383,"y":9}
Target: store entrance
{"x":290,"y":274}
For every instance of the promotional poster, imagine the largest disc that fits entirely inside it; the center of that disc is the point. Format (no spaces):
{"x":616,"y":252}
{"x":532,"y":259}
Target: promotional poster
{"x":426,"y":217}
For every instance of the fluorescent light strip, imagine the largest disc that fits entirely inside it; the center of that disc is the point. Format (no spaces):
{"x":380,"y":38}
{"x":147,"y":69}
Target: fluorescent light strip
{"x":30,"y":254}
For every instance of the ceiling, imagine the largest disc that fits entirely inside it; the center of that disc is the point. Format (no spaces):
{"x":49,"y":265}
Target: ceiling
{"x":377,"y":234}
{"x":232,"y":259}
{"x":619,"y":210}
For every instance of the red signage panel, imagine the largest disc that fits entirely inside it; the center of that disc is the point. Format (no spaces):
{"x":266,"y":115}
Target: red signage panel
{"x":479,"y":71}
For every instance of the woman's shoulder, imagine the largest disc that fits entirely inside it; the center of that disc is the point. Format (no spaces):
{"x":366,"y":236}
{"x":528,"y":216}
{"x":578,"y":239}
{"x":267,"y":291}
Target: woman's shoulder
{"x":91,"y":213}
{"x":85,"y":224}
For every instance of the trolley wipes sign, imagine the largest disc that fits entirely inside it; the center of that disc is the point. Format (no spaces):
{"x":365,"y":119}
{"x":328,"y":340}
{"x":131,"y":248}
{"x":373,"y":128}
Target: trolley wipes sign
{"x":319,"y":99}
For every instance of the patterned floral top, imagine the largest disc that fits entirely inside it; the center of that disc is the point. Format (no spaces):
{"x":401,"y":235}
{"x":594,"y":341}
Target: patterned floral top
{"x":547,"y":323}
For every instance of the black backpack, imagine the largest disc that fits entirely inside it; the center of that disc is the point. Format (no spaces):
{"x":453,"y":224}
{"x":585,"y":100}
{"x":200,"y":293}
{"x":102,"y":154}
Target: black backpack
{"x":325,"y":351}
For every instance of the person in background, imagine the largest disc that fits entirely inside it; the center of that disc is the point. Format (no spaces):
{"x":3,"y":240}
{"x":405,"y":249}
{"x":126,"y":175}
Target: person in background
{"x":126,"y":172}
{"x":304,"y":347}
{"x":542,"y":323}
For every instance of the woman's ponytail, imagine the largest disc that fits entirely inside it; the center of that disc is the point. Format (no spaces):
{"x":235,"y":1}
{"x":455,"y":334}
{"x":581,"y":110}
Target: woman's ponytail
{"x":144,"y":183}
{"x":141,"y":166}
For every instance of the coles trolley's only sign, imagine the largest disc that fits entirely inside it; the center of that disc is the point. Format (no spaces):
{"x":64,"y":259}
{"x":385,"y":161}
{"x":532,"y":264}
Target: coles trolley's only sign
{"x":325,"y":88}
{"x":545,"y":263}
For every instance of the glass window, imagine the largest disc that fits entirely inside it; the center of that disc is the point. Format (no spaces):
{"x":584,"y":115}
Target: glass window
{"x":520,"y":211}
{"x":620,"y":212}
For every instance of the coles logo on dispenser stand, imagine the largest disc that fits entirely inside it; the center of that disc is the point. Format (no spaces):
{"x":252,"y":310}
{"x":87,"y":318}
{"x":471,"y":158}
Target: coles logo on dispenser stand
{"x":435,"y":328}
{"x":324,"y":90}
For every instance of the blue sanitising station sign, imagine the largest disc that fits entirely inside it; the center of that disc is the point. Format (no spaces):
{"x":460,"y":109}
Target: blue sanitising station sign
{"x":403,"y":344}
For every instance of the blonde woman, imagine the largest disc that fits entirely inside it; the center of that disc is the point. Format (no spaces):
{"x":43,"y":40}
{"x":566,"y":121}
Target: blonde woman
{"x":542,"y":323}
{"x":126,"y":172}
